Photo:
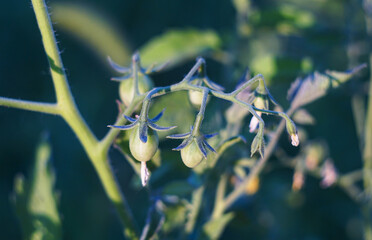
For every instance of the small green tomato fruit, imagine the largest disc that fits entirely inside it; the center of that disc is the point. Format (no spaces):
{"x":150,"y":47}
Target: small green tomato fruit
{"x":191,"y":155}
{"x":196,"y":97}
{"x":126,"y":88}
{"x":143,"y":151}
{"x":261,"y":102}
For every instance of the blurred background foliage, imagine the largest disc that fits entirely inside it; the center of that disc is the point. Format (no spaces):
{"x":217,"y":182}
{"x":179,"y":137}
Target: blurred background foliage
{"x":280,"y":39}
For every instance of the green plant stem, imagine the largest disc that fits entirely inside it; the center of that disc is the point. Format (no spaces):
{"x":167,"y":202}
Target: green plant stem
{"x":367,"y":153}
{"x":135,"y":68}
{"x":57,"y":70}
{"x":220,"y":197}
{"x":109,"y":138}
{"x":248,"y":83}
{"x":367,"y":163}
{"x":65,"y":101}
{"x":200,"y":116}
{"x":50,"y":108}
{"x":197,"y":198}
{"x":256,"y":170}
{"x":68,"y":110}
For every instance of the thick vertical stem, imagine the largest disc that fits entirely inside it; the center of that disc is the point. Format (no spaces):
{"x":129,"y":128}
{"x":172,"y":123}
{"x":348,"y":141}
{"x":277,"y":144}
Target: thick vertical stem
{"x":112,"y":190}
{"x":367,"y":164}
{"x":65,"y":100}
{"x":367,"y":153}
{"x":57,"y":70}
{"x":68,"y":110}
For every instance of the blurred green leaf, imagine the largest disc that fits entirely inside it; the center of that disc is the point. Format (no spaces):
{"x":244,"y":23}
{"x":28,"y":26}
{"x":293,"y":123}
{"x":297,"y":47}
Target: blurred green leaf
{"x":177,"y":46}
{"x":175,"y":218}
{"x":304,"y":91}
{"x":92,"y":29}
{"x":35,"y":201}
{"x":214,"y":228}
{"x":265,"y":65}
{"x":299,"y":17}
{"x":177,"y":113}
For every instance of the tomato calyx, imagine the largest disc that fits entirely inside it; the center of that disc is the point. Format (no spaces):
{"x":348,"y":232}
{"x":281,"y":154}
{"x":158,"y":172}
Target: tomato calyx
{"x":194,"y":148}
{"x":127,"y":88}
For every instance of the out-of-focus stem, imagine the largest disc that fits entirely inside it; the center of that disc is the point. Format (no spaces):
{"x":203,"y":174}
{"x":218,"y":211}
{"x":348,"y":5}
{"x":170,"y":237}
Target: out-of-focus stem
{"x":236,"y":193}
{"x":367,"y":164}
{"x":220,"y":196}
{"x":197,"y":197}
{"x":367,"y":152}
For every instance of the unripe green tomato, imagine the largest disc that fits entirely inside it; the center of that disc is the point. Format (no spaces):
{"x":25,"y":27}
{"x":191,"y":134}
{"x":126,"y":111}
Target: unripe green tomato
{"x":196,"y":97}
{"x":261,"y":103}
{"x":126,"y":88}
{"x":191,"y":155}
{"x":143,"y":151}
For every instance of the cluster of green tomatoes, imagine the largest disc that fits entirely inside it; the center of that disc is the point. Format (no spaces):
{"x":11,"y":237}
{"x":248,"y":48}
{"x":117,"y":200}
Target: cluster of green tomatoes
{"x":193,"y":149}
{"x":144,"y":140}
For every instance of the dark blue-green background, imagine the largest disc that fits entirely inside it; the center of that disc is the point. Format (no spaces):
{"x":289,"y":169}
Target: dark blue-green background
{"x":85,"y":210}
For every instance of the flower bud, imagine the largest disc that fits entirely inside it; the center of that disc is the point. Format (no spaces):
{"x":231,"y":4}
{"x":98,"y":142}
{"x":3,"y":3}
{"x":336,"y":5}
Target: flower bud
{"x":292,"y":131}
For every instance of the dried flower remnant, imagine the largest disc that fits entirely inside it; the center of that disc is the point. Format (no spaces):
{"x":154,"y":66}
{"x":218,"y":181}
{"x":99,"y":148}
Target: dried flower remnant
{"x":329,"y":174}
{"x":254,"y":123}
{"x":144,"y":174}
{"x":295,"y":141}
{"x":298,"y":181}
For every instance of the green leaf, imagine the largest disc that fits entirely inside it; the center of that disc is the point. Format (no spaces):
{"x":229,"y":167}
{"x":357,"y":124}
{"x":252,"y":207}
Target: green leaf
{"x":175,"y":218}
{"x":35,"y":201}
{"x":214,"y":228}
{"x":93,"y":30}
{"x":315,"y":86}
{"x":174,"y":115}
{"x":177,"y":46}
